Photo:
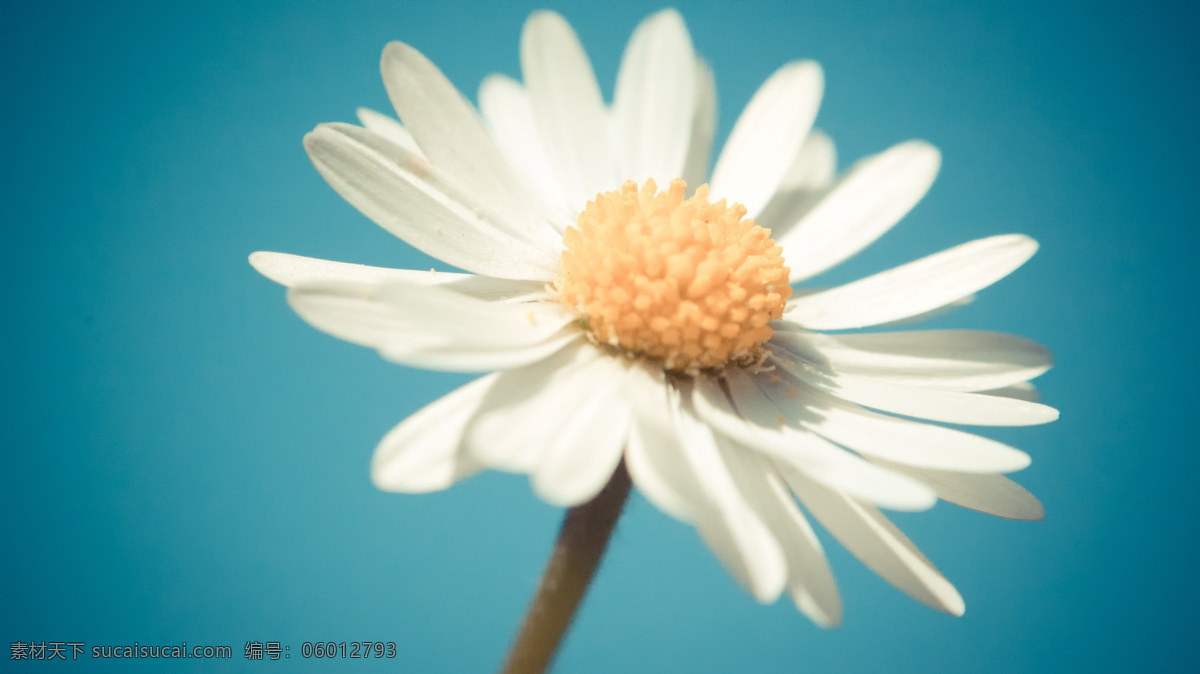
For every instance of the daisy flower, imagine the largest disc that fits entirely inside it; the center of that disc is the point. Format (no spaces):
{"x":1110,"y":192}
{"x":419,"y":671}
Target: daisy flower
{"x":634,"y":315}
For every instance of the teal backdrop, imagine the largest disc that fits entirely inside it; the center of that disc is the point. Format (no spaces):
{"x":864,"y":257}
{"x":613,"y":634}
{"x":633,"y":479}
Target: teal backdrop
{"x":184,"y":460}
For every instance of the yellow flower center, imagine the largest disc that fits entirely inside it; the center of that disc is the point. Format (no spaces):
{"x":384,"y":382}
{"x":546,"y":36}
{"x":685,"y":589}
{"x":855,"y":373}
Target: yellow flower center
{"x":686,"y":281}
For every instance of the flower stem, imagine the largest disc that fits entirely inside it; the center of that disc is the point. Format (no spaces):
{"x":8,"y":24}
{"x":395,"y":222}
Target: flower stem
{"x":585,"y":533}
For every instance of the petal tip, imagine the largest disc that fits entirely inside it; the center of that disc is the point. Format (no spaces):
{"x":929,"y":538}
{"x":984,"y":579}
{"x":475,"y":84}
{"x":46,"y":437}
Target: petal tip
{"x":319,"y":133}
{"x":310,"y":140}
{"x":493,"y":80}
{"x":806,"y":68}
{"x":916,"y":497}
{"x":1022,"y":242}
{"x":916,"y":157}
{"x":261,"y":261}
{"x":395,"y":50}
{"x":829,"y":622}
{"x":947,"y":599}
{"x":929,"y":156}
{"x":545,"y":18}
{"x":366,"y":115}
{"x":377,"y":476}
{"x":1037,"y":513}
{"x":920,"y":145}
{"x":925,"y":503}
{"x":826,"y":617}
{"x":1020,"y":462}
{"x":666,"y":18}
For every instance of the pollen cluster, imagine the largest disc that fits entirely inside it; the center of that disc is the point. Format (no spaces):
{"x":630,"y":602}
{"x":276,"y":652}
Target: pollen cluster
{"x":686,"y":281}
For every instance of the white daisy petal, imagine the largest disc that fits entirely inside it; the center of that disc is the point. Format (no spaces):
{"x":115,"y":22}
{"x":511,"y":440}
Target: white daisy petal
{"x":955,"y":360}
{"x":898,"y":440}
{"x":452,"y":136}
{"x":803,"y":186}
{"x":704,"y":125}
{"x":674,"y":460}
{"x":441,"y":312}
{"x":506,"y":108}
{"x":431,"y":326}
{"x":389,"y":128}
{"x":759,"y":424}
{"x":728,"y":524}
{"x":528,"y":409}
{"x":810,"y":581}
{"x":767,"y":137}
{"x":930,"y":315}
{"x":654,"y":102}
{"x":814,"y":166}
{"x":568,"y":107}
{"x":877,"y":543}
{"x":1021,"y":391}
{"x":289,"y":270}
{"x":405,"y":196}
{"x":654,"y":443}
{"x":872,"y":197}
{"x":988,"y":493}
{"x":952,"y":407}
{"x":425,"y":452}
{"x":471,"y":356}
{"x":586,"y":445}
{"x":913,"y":288}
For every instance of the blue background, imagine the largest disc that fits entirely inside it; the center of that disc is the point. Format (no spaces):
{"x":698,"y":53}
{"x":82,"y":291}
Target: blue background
{"x":185,"y":460}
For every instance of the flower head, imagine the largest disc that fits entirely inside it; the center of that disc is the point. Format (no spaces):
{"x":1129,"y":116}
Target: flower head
{"x":684,"y":281}
{"x":621,"y":321}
